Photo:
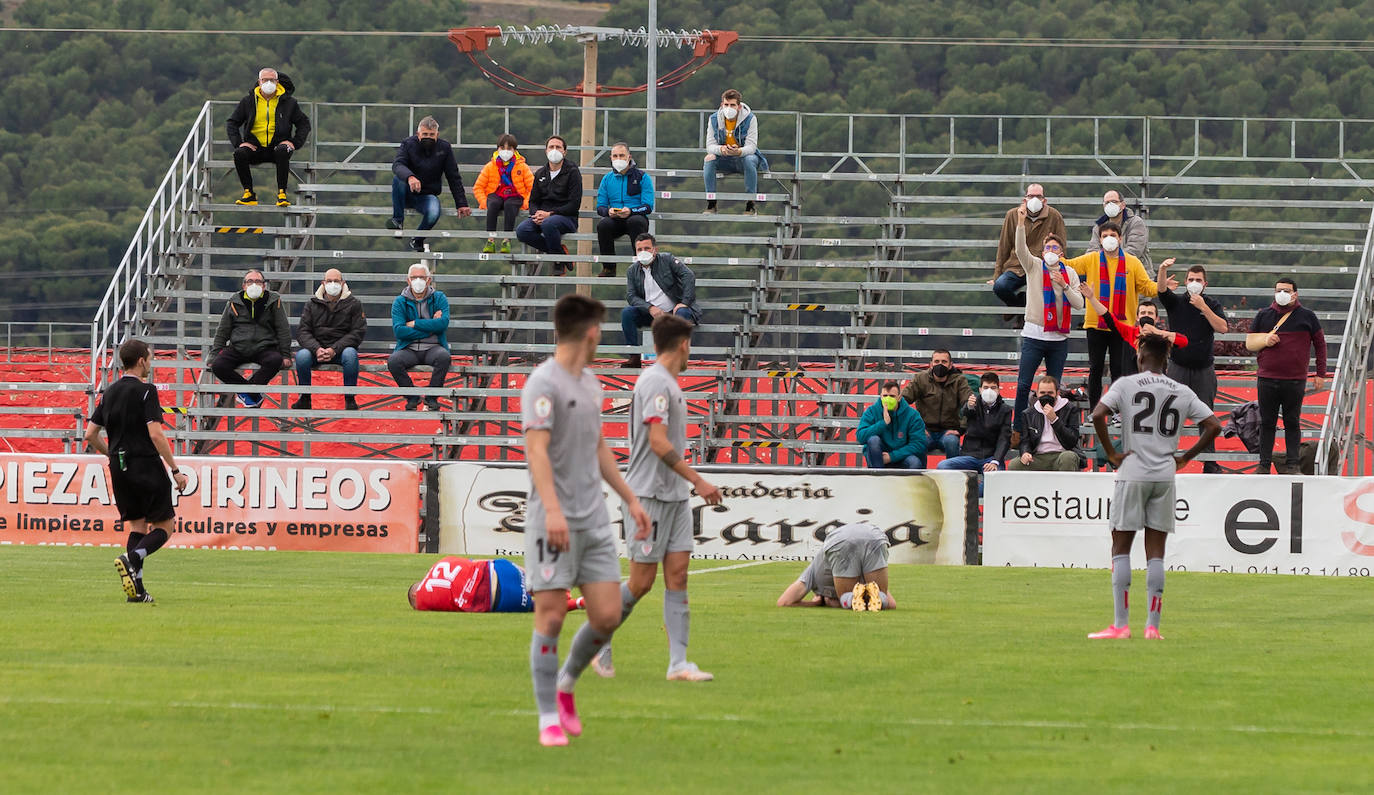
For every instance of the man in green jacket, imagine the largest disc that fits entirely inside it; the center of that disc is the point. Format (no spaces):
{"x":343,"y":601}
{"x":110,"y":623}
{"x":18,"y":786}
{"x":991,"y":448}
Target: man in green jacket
{"x":892,"y":433}
{"x":253,"y":330}
{"x":937,"y":394}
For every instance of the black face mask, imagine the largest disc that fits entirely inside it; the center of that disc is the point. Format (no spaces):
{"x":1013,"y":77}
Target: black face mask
{"x":1148,"y":321}
{"x":427,"y":146}
{"x":1045,"y":400}
{"x":939,"y":371}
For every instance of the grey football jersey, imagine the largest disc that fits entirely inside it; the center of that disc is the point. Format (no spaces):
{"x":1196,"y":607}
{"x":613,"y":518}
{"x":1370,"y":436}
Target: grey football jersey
{"x":1152,"y":408}
{"x":570,"y":409}
{"x":657,"y":398}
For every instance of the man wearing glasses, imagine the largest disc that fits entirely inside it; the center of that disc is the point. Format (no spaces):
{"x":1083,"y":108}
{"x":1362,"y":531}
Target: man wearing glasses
{"x":1051,"y":296}
{"x":253,"y":330}
{"x":1041,"y":220}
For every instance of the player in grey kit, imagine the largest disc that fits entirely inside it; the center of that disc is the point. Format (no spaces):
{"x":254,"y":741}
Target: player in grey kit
{"x":659,"y":476}
{"x":849,"y":572}
{"x":1152,"y":408}
{"x":568,"y":536}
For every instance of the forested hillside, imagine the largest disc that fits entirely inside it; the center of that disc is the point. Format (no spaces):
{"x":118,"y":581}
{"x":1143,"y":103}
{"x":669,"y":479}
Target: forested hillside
{"x":89,"y":120}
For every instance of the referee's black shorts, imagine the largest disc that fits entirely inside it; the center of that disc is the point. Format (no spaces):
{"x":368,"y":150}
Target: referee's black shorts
{"x":143,"y":491}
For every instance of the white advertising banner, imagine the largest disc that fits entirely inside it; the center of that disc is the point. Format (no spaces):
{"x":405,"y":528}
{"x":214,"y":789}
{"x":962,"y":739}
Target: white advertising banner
{"x":1269,"y":524}
{"x":775,"y":515}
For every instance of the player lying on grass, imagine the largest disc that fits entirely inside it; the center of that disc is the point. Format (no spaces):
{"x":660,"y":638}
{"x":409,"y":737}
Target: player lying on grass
{"x":459,"y":585}
{"x":659,"y":477}
{"x":849,"y":572}
{"x":1152,"y":408}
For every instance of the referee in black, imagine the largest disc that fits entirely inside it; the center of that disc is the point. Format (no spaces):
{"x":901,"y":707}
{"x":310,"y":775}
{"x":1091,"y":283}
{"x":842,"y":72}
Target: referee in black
{"x":131,"y":417}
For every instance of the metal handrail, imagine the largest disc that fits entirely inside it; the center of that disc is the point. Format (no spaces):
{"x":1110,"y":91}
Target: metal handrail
{"x":1344,"y":406}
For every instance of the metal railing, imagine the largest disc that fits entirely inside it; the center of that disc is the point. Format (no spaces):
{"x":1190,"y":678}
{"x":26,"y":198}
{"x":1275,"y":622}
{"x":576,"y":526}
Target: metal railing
{"x":43,"y":336}
{"x":1344,"y":442}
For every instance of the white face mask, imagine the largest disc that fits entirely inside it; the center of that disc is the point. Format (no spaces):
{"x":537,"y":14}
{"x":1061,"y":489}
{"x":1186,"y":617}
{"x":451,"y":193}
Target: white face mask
{"x":1283,"y":299}
{"x":1035,"y":205}
{"x":620,"y":165}
{"x":1195,"y":288}
{"x":1051,"y":258}
{"x":505,"y":154}
{"x":989,"y":395}
{"x":253,"y":291}
{"x":1109,"y":243}
{"x":333,"y":288}
{"x":1112,"y":209}
{"x":418,"y":285}
{"x":555,"y":157}
{"x":730,"y":113}
{"x":644,"y":257}
{"x":269,"y":87}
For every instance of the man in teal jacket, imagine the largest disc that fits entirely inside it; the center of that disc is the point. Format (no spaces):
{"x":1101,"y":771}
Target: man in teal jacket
{"x":419,"y":317}
{"x":892,"y":432}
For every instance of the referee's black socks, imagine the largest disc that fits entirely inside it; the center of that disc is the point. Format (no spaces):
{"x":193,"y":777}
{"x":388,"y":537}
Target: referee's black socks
{"x":149,"y":544}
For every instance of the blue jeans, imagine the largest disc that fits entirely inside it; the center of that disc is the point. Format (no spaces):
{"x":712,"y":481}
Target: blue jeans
{"x":946,"y":442}
{"x":633,"y":318}
{"x":1010,"y":288}
{"x":1033,"y":352}
{"x":348,"y":357}
{"x":968,"y":463}
{"x":427,"y":205}
{"x":548,"y":236}
{"x":748,"y":165}
{"x":873,"y":456}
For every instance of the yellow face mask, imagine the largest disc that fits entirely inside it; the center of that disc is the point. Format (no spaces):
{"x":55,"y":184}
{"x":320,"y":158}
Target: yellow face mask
{"x":890,"y":402}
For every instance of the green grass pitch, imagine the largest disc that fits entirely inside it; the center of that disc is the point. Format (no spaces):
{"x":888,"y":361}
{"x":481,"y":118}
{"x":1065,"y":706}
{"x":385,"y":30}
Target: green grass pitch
{"x":300,"y":672}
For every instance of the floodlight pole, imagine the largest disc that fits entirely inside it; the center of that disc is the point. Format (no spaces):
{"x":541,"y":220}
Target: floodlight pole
{"x":650,"y":131}
{"x":584,"y":223}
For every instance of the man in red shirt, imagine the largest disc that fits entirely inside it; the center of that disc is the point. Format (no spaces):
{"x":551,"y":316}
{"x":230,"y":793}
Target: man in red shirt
{"x":460,"y":585}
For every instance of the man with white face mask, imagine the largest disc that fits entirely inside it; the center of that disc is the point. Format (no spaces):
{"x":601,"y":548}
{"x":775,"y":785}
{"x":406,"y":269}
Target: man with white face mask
{"x":421,"y":163}
{"x":1119,"y":281}
{"x":252,"y":330}
{"x":419,"y":318}
{"x":1294,"y":333}
{"x":624,"y":201}
{"x":1200,"y":317}
{"x":1041,"y":222}
{"x":554,"y":204}
{"x":331,"y":329}
{"x":988,"y":438}
{"x":267,"y":126}
{"x":1135,"y":235}
{"x":1051,"y":298}
{"x":658,"y":283}
{"x":732,"y":147}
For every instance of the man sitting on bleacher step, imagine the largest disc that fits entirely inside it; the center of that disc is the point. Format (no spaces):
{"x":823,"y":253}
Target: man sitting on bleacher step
{"x":261,"y":131}
{"x":421,"y":164}
{"x":332,"y":328}
{"x":419,"y":317}
{"x":253,"y":330}
{"x":554,"y":204}
{"x":657,"y":284}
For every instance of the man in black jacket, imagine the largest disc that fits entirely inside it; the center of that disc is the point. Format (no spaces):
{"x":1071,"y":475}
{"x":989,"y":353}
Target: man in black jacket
{"x":1050,"y":441}
{"x":266,"y":127}
{"x":253,"y":329}
{"x":554,"y":204}
{"x":657,"y":284}
{"x":422,"y":162}
{"x":331,"y":329}
{"x":988,"y":438}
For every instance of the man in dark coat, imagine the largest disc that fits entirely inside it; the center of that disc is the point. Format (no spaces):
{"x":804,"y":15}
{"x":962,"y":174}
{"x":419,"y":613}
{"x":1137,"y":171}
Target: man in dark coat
{"x":421,"y":164}
{"x":267,"y":127}
{"x":253,"y":329}
{"x":332,"y":328}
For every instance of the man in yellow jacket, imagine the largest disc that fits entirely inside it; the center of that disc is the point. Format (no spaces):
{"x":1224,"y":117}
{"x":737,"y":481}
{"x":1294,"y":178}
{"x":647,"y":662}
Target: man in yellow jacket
{"x":1119,"y":281}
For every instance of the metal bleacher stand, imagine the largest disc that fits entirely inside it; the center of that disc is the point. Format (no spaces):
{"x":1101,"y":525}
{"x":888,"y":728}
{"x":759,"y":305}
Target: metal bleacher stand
{"x":804,"y":311}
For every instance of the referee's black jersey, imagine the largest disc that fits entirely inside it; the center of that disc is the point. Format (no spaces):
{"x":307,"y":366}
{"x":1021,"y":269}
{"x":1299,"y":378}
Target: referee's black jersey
{"x":125,"y":410}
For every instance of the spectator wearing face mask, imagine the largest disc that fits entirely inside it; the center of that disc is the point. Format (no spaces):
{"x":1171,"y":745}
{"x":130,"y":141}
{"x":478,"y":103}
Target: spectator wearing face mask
{"x":422,"y":162}
{"x":1146,"y":324}
{"x":938,"y":393}
{"x":1118,"y":280}
{"x":1200,"y":317}
{"x":1051,"y":439}
{"x":624,"y":200}
{"x":267,"y":126}
{"x":554,"y":204}
{"x":1292,"y":334}
{"x":419,"y":319}
{"x":892,"y":433}
{"x":332,"y":327}
{"x":658,"y":283}
{"x":988,"y":438}
{"x":252,"y":330}
{"x":1041,"y":222}
{"x":503,"y":189}
{"x":1051,"y":296}
{"x":732,"y":147}
{"x":1135,"y":235}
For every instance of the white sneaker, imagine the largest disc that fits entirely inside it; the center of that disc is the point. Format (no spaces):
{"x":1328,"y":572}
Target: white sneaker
{"x":688,"y":672}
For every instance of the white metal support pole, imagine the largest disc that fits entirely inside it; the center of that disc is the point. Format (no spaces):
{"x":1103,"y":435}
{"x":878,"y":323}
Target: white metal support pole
{"x":650,"y":129}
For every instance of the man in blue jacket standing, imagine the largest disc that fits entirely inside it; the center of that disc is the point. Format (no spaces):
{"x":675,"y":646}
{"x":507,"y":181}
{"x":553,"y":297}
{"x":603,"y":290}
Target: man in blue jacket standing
{"x":419,"y":317}
{"x":624,"y":201}
{"x":422,"y":162}
{"x":892,"y":433}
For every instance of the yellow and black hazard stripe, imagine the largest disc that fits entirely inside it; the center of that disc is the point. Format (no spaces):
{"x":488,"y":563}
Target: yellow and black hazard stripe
{"x":239,"y":230}
{"x":785,"y":373}
{"x":175,"y":410}
{"x":807,"y":307}
{"x":760,"y":445}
